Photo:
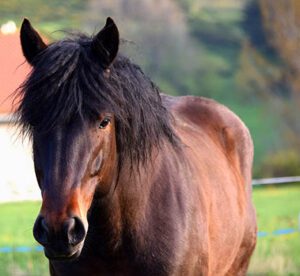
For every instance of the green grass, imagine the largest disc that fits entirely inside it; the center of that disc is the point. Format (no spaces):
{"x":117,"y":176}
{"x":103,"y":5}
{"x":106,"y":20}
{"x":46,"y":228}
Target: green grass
{"x":16,"y":220}
{"x":16,"y":223}
{"x":277,"y":207}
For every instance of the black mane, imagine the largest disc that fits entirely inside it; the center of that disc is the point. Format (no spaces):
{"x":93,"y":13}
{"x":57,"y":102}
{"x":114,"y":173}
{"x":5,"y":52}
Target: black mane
{"x":68,"y":80}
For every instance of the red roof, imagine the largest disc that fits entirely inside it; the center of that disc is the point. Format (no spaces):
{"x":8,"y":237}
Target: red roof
{"x":13,"y":69}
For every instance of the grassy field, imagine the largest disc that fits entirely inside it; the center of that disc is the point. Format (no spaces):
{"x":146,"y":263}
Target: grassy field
{"x":16,"y":220}
{"x":277,"y":208}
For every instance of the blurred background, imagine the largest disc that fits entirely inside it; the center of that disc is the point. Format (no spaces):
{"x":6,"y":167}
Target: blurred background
{"x":242,"y":53}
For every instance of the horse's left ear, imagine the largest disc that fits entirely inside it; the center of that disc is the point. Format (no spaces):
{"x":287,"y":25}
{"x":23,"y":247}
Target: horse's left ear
{"x":31,"y":42}
{"x":106,"y":43}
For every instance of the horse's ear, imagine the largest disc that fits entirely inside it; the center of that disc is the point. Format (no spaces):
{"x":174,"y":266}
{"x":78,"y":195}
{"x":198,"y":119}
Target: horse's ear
{"x":106,"y":43}
{"x":31,"y":42}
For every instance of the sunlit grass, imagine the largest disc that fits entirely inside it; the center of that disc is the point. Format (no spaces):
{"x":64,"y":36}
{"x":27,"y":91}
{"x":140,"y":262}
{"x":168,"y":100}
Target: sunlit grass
{"x":278,"y":207}
{"x":16,"y":220}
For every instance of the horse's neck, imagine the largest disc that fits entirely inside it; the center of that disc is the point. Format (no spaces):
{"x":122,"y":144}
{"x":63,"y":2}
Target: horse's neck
{"x":123,"y":212}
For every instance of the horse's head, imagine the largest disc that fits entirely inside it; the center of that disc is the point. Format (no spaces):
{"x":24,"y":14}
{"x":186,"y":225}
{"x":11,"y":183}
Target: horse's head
{"x":91,"y":114}
{"x":72,"y":163}
{"x":77,"y":158}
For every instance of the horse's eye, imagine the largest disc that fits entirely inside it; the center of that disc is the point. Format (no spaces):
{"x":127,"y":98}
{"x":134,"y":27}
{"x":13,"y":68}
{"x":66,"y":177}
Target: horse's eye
{"x":104,"y":123}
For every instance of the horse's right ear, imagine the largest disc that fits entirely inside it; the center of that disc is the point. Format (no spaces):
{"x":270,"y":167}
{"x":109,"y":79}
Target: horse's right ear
{"x":31,"y":42}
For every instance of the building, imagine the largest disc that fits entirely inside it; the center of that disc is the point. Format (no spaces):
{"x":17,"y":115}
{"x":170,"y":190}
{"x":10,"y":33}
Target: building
{"x":17,"y":179}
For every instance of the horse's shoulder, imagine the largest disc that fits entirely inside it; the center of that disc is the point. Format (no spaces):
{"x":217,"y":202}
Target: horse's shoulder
{"x":218,"y":121}
{"x":203,"y":112}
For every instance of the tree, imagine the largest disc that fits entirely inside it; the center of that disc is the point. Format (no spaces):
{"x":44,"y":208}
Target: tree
{"x":158,"y":28}
{"x":270,"y":60}
{"x":281,"y":20}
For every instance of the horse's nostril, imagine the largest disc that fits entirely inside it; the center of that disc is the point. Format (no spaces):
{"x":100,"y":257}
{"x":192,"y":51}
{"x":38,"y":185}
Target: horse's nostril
{"x":44,"y":225}
{"x":75,"y":231}
{"x":41,"y":230}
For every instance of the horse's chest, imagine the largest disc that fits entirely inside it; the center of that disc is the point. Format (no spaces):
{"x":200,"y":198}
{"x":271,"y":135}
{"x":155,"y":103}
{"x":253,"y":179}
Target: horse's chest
{"x":91,"y":266}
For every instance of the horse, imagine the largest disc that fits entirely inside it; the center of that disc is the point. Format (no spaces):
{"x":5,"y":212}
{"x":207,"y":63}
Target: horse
{"x":133,"y":181}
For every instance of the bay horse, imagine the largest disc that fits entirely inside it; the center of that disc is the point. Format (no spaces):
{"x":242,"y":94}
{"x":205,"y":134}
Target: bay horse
{"x":133,"y":182}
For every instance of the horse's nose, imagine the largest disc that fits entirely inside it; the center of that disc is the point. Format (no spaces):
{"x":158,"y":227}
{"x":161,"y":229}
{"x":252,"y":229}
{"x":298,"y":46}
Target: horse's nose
{"x":72,"y":231}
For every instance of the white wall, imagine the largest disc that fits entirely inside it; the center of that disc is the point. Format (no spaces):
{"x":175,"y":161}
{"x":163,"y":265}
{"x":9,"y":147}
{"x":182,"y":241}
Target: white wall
{"x":17,"y":179}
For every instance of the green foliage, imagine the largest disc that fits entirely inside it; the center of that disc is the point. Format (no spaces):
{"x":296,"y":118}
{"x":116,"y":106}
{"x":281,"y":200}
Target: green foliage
{"x":280,"y":163}
{"x":209,"y":56}
{"x":254,"y":28}
{"x":47,"y":16}
{"x":217,"y":27}
{"x":217,"y":32}
{"x":260,"y":124}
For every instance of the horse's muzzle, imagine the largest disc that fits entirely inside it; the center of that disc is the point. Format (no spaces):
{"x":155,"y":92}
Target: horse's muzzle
{"x":63,"y":242}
